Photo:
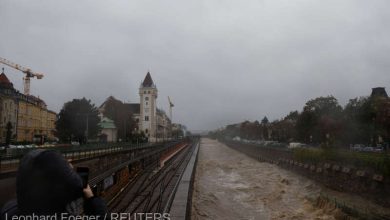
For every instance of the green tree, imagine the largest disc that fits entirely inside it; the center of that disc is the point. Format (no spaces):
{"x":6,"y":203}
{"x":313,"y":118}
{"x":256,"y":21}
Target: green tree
{"x":357,"y":121}
{"x":264,"y":128}
{"x":289,"y":125}
{"x":319,"y":121}
{"x":293,"y":116}
{"x":366,"y":119}
{"x":75,"y":118}
{"x":123,"y":119}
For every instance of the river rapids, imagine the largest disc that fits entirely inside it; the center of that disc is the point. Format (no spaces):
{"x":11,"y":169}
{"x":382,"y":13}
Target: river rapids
{"x":230,"y":185}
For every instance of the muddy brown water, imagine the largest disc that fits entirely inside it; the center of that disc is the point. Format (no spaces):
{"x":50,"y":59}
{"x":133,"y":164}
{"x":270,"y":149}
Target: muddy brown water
{"x":230,"y":185}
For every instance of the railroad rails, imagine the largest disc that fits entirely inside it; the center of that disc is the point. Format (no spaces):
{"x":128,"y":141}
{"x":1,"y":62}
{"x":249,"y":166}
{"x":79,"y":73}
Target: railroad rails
{"x":150,"y":191}
{"x":9,"y":162}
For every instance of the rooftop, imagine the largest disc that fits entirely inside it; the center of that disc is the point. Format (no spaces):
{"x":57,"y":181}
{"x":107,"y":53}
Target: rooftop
{"x":148,"y":81}
{"x":107,"y":123}
{"x":4,"y":81}
{"x":379,"y":91}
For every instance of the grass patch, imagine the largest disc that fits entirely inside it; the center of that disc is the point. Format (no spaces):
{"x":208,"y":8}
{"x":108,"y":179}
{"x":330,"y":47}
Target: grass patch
{"x":380,"y":162}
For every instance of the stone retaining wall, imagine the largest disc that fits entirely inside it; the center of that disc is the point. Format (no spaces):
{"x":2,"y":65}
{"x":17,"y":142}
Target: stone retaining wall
{"x":373,"y":186}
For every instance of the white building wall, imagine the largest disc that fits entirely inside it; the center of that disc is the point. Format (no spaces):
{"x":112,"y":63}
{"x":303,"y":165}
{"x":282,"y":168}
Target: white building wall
{"x":112,"y":134}
{"x":147,"y":120}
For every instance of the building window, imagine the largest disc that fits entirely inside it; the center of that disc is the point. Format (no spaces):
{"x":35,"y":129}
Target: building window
{"x":144,"y":92}
{"x":146,"y":103}
{"x":146,"y":131}
{"x":146,"y":98}
{"x":148,"y":92}
{"x":146,"y":118}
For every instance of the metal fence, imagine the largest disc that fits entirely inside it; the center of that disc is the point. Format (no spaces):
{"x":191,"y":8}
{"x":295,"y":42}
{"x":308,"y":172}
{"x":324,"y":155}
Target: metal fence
{"x":10,"y":158}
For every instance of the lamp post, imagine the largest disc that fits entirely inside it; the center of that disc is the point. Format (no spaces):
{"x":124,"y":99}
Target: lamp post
{"x":87,"y":124}
{"x":156,"y":131}
{"x":87,"y":129}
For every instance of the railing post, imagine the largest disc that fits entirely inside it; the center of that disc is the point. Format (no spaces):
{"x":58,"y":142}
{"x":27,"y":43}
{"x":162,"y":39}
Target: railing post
{"x":1,"y":157}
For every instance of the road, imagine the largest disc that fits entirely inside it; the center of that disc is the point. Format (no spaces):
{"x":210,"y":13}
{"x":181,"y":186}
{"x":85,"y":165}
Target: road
{"x":230,"y":185}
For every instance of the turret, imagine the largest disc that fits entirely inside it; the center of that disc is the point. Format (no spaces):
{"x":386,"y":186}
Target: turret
{"x":148,"y":95}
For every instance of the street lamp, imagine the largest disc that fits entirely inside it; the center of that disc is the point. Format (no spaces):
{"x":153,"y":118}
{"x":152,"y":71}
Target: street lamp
{"x":87,"y":124}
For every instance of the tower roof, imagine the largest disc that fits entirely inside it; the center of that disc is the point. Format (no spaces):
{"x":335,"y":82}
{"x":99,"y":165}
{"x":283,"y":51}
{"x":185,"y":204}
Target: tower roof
{"x":148,"y":81}
{"x":379,"y":91}
{"x":4,"y":80}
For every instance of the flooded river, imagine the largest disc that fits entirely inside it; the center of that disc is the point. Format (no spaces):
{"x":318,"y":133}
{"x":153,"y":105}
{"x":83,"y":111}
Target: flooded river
{"x":230,"y":185}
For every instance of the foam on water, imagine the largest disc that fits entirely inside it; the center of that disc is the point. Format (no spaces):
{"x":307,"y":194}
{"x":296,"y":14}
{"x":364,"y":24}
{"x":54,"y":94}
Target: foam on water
{"x":230,"y":185}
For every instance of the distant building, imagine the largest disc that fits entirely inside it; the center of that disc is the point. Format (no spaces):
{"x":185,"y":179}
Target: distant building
{"x":119,"y":111}
{"x":109,"y":132}
{"x":8,"y":107}
{"x":150,"y":120}
{"x":379,"y":92}
{"x":35,"y":122}
{"x":30,"y":119}
{"x":179,"y":130}
{"x":164,"y":125}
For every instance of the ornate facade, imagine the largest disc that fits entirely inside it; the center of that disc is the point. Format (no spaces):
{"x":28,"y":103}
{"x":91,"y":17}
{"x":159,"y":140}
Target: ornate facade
{"x":150,"y":120}
{"x":28,"y":116}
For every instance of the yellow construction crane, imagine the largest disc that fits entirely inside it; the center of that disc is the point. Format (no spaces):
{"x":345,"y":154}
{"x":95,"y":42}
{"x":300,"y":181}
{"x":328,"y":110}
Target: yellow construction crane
{"x":27,"y":71}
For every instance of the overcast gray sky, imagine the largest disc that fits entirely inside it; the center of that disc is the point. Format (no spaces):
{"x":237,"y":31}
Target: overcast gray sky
{"x":221,"y":61}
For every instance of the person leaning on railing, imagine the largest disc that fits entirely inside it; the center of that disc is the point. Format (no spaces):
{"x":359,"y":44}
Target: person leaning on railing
{"x":46,"y":184}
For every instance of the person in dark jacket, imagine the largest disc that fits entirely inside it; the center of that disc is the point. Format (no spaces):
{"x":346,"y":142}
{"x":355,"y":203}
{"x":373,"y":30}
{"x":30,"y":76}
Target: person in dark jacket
{"x":46,"y":184}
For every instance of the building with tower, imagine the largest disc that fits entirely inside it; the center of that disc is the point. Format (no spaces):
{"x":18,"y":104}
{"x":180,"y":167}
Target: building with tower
{"x":148,"y":110}
{"x":149,"y":119}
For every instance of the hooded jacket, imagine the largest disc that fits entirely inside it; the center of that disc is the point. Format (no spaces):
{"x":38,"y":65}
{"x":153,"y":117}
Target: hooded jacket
{"x":46,"y":184}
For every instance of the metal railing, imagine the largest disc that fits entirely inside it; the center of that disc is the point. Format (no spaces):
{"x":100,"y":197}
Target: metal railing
{"x":10,"y":158}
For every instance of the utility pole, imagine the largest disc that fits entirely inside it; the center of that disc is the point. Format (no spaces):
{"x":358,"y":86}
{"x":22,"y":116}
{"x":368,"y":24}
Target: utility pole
{"x":155,"y":133}
{"x":87,"y":124}
{"x":86,"y":130}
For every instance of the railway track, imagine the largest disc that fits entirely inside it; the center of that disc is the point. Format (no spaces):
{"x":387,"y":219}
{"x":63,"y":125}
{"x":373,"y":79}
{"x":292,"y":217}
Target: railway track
{"x":150,"y":190}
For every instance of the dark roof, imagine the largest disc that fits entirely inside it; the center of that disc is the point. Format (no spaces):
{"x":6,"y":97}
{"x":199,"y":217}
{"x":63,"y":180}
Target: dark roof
{"x":134,"y":108}
{"x":148,"y":81}
{"x":379,"y":91}
{"x":110,"y":98}
{"x":4,"y":81}
{"x":35,"y":100}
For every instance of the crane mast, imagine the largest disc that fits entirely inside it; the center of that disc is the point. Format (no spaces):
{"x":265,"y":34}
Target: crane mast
{"x":28,"y":74}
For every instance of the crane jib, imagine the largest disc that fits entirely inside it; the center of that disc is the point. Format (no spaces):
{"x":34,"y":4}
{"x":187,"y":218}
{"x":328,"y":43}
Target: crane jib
{"x":27,"y":71}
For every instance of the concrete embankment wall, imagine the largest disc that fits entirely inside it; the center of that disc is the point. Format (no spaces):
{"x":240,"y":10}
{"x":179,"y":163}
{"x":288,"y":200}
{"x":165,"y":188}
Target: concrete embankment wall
{"x":181,"y":205}
{"x":368,"y":184}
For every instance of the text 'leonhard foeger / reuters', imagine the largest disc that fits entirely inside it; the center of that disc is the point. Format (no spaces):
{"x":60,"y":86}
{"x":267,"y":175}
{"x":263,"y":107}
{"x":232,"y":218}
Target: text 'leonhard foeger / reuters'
{"x":110,"y":216}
